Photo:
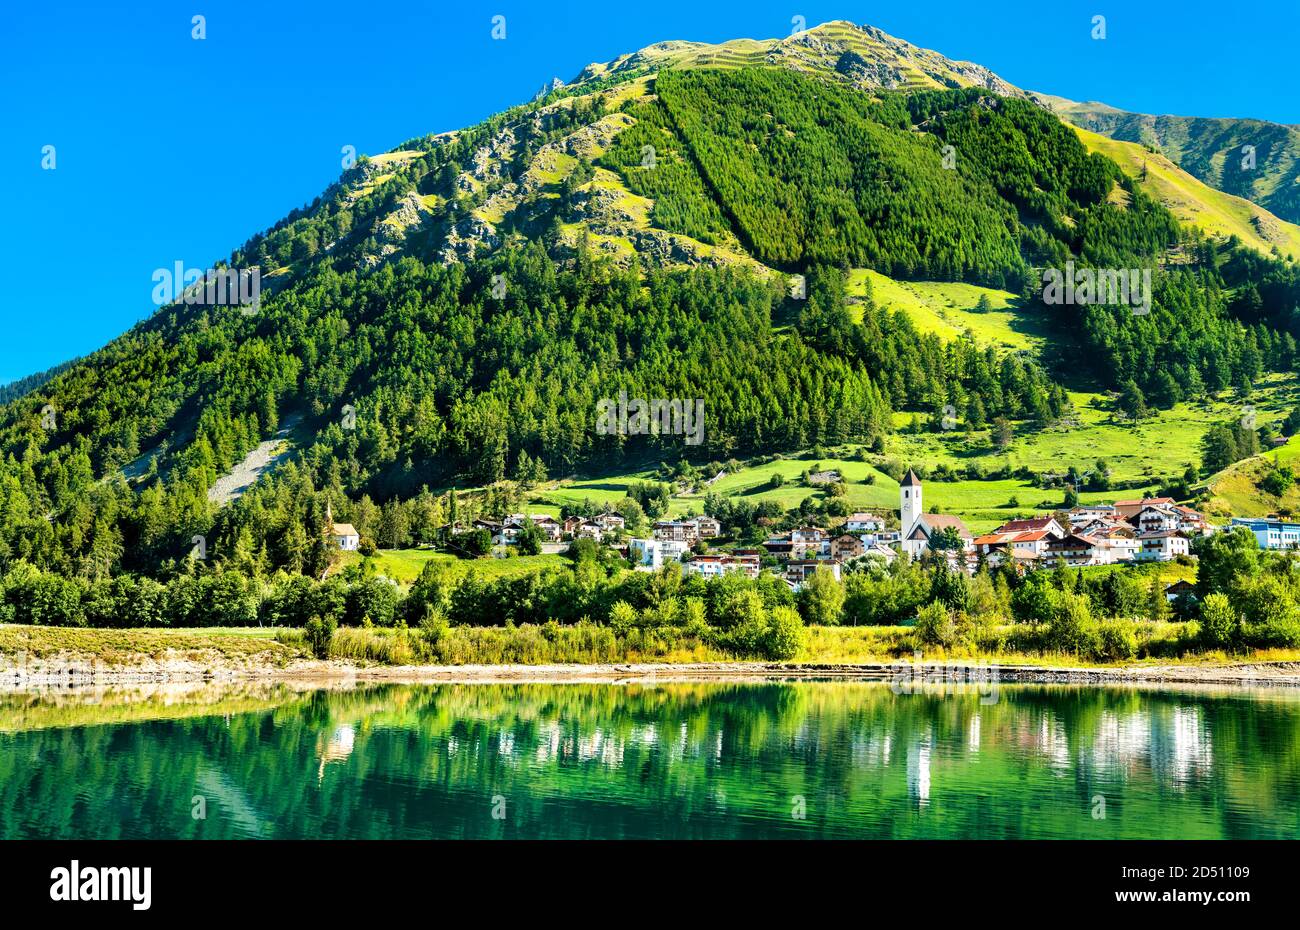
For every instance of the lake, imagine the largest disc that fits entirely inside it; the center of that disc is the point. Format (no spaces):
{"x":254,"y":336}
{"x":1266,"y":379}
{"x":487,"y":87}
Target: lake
{"x":828,"y":759}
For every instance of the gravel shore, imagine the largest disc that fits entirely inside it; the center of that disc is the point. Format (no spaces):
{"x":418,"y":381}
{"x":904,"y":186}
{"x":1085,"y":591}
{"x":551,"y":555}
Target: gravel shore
{"x":71,"y":671}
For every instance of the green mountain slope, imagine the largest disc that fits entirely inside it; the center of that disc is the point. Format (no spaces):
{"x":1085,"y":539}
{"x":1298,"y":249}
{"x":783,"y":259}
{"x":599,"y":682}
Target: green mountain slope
{"x":452,"y":313}
{"x":1196,"y":204}
{"x":1210,"y":149}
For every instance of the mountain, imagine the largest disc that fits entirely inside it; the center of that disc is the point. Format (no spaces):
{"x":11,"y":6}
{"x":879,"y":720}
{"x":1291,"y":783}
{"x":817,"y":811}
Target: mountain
{"x":454,"y":312}
{"x":1213,"y":150}
{"x":861,"y":56}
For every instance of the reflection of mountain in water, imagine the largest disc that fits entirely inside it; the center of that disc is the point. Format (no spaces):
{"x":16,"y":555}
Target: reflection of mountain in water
{"x":683,"y":759}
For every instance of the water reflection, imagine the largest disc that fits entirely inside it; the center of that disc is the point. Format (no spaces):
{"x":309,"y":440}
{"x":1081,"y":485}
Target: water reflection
{"x":680,"y":760}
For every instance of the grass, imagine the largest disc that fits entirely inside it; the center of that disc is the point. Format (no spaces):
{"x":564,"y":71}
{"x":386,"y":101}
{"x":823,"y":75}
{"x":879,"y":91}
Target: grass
{"x":398,"y":157}
{"x":1235,"y":491}
{"x":1161,"y":445}
{"x":404,"y":565}
{"x":256,"y":644}
{"x":1195,"y":203}
{"x":950,"y":310}
{"x":528,"y":644}
{"x":582,"y":643}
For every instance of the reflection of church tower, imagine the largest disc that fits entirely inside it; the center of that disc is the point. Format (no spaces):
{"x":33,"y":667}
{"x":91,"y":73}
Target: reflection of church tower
{"x":909,"y":497}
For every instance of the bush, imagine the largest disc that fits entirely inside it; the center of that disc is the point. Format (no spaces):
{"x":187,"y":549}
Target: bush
{"x":1117,"y":640}
{"x":1073,"y":629}
{"x":433,"y":628}
{"x":320,"y":633}
{"x":473,"y":544}
{"x":821,"y":599}
{"x":785,"y":634}
{"x":1281,"y":631}
{"x":622,"y":617}
{"x":1220,"y":626}
{"x":935,"y":625}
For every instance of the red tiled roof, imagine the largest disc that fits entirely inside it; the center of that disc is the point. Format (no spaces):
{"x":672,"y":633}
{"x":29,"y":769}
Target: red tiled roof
{"x":1020,"y":526}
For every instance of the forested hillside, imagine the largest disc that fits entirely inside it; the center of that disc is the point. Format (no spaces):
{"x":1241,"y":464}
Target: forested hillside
{"x":450,"y":314}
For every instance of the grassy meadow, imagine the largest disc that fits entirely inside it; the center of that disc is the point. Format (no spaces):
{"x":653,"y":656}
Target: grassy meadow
{"x":405,"y":565}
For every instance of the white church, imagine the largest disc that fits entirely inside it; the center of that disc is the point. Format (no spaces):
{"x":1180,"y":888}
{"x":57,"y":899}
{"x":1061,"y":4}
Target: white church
{"x":917,"y":526}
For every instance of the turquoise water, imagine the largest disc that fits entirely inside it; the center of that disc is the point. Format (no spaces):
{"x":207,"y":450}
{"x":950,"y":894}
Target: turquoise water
{"x":682,"y":760}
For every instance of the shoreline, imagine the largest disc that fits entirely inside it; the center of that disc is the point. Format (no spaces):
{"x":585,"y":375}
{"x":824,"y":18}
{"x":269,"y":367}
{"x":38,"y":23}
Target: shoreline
{"x":69,"y":673}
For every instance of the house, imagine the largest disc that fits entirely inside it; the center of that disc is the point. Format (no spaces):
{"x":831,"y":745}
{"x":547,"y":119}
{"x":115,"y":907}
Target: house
{"x":503,"y":533}
{"x":507,"y":532}
{"x":1046,"y":524}
{"x":1087,"y":513}
{"x":1156,"y":519}
{"x":707,"y":528}
{"x":809,"y":542}
{"x":881,"y":551}
{"x":1271,"y":532}
{"x":805,"y":534}
{"x":847,"y":546}
{"x":1020,"y":560}
{"x":1119,"y":536}
{"x":677,"y":531}
{"x":1077,"y":549}
{"x":610,"y":522}
{"x":797,"y":571}
{"x":863,"y":523}
{"x":550,"y":528}
{"x":707,"y":566}
{"x":1180,"y":588}
{"x":650,"y":554}
{"x":748,"y":563}
{"x":571,"y":524}
{"x":779,"y":546}
{"x":589,"y":529}
{"x":714,"y":566}
{"x":1035,"y":541}
{"x":1191,"y":521}
{"x":1129,"y":509}
{"x":345,"y":536}
{"x":929,"y":525}
{"x":1161,"y":546}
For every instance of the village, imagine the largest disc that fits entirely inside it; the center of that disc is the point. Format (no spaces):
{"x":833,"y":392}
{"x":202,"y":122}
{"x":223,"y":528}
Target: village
{"x":1139,"y":530}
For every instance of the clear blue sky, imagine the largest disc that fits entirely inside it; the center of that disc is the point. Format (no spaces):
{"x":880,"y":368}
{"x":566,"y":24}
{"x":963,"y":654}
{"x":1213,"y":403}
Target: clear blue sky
{"x":170,"y":149}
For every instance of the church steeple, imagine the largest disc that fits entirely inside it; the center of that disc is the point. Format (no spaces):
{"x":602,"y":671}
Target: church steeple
{"x":909,"y":502}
